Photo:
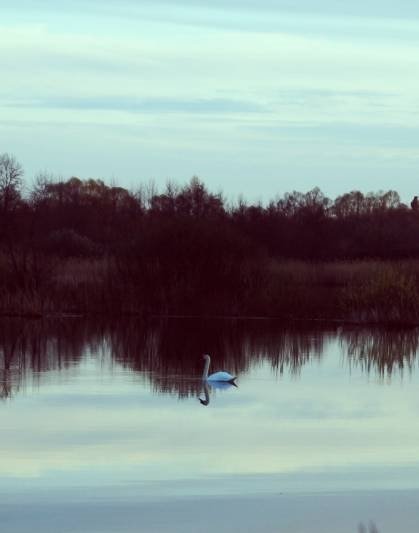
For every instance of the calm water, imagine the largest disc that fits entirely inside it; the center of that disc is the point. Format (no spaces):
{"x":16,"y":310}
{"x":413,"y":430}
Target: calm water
{"x":102,"y":429}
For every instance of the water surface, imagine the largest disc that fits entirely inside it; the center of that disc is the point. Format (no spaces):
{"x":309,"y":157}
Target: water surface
{"x":103,"y":428}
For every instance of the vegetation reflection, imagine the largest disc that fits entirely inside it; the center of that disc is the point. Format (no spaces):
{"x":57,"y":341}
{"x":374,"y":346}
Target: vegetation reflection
{"x":167,"y":354}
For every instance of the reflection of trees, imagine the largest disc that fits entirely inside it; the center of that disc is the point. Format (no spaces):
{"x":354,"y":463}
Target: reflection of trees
{"x":30,"y":348}
{"x":167,"y":354}
{"x":381,"y":350}
{"x":171,"y":350}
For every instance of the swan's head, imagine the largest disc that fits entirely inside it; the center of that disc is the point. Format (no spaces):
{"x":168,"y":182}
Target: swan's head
{"x":206,"y":356}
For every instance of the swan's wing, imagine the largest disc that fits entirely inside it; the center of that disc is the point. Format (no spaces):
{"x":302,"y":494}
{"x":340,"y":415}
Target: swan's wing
{"x":220,"y":376}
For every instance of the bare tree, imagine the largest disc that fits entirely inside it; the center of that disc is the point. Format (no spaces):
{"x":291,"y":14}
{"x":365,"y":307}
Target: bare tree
{"x":11,"y":173}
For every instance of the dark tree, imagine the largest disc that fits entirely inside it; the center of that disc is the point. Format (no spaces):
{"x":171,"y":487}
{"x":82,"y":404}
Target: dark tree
{"x":11,"y":174}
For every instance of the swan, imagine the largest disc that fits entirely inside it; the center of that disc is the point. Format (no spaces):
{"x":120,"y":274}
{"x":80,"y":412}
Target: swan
{"x":217,"y":376}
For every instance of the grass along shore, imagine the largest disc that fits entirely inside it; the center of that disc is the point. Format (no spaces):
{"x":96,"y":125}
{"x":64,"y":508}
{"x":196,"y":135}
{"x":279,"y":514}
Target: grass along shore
{"x":361,"y":291}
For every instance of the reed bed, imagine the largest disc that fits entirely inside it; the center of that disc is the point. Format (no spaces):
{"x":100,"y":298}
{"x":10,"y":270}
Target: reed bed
{"x":362,"y":291}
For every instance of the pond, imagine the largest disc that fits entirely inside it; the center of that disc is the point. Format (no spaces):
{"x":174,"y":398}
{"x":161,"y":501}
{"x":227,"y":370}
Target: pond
{"x":107,"y":427}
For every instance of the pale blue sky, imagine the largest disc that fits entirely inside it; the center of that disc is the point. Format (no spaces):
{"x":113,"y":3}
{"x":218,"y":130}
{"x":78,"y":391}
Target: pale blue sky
{"x":256,"y":98}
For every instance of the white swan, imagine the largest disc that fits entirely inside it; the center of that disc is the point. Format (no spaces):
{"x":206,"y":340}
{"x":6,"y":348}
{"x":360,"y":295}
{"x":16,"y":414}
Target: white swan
{"x":217,"y":376}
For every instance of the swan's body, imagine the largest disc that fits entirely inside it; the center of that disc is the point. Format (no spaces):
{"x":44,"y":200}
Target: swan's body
{"x":220,"y":376}
{"x":225,"y":377}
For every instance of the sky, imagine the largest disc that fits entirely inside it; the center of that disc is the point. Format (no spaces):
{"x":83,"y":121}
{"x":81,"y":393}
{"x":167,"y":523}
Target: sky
{"x":255,"y":98}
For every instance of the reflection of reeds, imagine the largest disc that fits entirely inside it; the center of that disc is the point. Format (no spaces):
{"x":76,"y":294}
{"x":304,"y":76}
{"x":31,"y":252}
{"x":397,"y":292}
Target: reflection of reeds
{"x":382,"y":351}
{"x":372,"y":528}
{"x":167,"y":353}
{"x":29,"y":348}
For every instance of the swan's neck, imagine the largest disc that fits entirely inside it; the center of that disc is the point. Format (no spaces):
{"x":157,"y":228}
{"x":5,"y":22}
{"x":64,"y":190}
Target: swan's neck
{"x":206,"y":368}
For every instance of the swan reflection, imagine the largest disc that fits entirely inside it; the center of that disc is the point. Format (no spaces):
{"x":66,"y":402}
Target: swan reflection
{"x":209,"y":388}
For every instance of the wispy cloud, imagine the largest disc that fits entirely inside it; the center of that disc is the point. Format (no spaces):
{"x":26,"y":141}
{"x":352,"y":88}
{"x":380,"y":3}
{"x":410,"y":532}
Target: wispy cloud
{"x":137,"y":105}
{"x":359,"y":8}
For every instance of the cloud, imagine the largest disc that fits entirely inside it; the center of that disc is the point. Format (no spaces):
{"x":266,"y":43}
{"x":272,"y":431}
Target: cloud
{"x":394,"y":137}
{"x":137,"y":105}
{"x":373,"y":8}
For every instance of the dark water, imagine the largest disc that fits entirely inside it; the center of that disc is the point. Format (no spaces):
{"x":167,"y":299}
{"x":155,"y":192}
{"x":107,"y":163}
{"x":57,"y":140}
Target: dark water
{"x":102,"y":429}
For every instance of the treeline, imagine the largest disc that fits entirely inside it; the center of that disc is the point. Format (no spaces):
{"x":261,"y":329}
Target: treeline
{"x":82,"y":245}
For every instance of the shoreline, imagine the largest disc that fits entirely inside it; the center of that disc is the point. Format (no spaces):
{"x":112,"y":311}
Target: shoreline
{"x":266,"y":318}
{"x":341,"y":511}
